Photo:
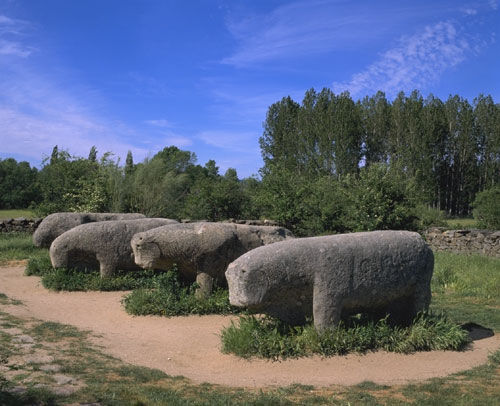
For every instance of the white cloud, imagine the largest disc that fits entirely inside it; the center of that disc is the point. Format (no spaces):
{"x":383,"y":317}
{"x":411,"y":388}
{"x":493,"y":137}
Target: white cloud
{"x":159,"y":123}
{"x":470,"y":11}
{"x":308,"y":27}
{"x":243,"y":142}
{"x":177,"y":140}
{"x":10,"y":33}
{"x":298,"y":28}
{"x":415,"y":62}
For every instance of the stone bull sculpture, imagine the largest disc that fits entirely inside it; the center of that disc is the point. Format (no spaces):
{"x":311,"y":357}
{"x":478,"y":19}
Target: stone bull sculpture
{"x":329,"y":277}
{"x":55,"y":224}
{"x":104,"y":245}
{"x":201,"y":250}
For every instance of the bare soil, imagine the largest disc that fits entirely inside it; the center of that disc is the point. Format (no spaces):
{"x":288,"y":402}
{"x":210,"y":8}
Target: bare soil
{"x":190,"y":346}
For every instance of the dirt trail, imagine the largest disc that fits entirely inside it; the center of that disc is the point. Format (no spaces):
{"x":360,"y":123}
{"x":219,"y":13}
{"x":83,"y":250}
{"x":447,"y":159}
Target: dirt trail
{"x":190,"y":346}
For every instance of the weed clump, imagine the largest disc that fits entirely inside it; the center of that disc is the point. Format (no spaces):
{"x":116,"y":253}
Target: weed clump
{"x":268,"y":337}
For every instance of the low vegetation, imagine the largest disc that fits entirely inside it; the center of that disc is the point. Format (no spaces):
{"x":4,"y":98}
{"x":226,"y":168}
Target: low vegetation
{"x":17,"y":246}
{"x":169,"y":297}
{"x":154,"y":292}
{"x":270,"y":338}
{"x":12,"y":214}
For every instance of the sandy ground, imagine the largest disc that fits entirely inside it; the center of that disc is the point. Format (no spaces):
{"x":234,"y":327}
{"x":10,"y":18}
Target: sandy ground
{"x":190,"y":346}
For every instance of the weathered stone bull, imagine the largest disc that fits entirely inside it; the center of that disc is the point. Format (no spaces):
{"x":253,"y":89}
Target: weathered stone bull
{"x":332,"y":276}
{"x":202,"y":250}
{"x":103,"y":245}
{"x":55,"y":224}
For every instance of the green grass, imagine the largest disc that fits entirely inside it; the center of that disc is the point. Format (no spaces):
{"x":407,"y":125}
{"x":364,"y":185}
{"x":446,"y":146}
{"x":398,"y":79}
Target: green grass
{"x":12,"y":214}
{"x":461,"y":223}
{"x":270,"y":338}
{"x":466,"y":275}
{"x":169,"y":297}
{"x":17,"y":246}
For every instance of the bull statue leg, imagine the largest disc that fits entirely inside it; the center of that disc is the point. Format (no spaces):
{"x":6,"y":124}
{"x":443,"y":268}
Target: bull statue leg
{"x":106,"y":269}
{"x":327,"y":308}
{"x":205,"y":284}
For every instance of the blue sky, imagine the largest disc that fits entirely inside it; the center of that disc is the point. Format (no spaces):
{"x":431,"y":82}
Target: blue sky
{"x":141,"y":75}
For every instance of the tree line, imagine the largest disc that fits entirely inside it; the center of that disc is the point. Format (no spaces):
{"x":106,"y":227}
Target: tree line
{"x":330,"y":165}
{"x":451,"y":149}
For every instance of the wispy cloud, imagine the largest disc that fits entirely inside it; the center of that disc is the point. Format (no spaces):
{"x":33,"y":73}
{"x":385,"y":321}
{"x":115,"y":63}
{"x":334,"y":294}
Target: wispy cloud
{"x":11,"y":32}
{"x":243,"y":142}
{"x":415,"y":62}
{"x":162,"y":123}
{"x":310,"y":27}
{"x":38,"y":111}
{"x":177,"y":140}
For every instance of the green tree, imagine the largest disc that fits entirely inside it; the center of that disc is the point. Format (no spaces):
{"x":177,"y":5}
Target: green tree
{"x":93,"y":154}
{"x":378,"y":199}
{"x":487,"y":208}
{"x":18,"y":184}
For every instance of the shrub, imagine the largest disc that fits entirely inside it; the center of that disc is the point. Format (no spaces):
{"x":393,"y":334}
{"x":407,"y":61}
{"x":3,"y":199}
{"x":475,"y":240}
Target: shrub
{"x":487,"y":208}
{"x":271,"y":338}
{"x":429,"y":217}
{"x":378,"y":199}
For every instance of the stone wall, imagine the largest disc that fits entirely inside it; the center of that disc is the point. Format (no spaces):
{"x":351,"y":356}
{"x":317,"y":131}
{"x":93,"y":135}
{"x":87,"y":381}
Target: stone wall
{"x":19,"y":224}
{"x":247,"y":222}
{"x":464,"y":241}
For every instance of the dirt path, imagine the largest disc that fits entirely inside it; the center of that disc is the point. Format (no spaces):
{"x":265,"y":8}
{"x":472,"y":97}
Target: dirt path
{"x":190,"y":346}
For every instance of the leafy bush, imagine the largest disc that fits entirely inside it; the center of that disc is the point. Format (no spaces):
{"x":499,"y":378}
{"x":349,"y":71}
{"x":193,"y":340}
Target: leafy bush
{"x":169,"y":297}
{"x":378,"y":199}
{"x":487,"y":208}
{"x":429,"y":217}
{"x":270,"y":338}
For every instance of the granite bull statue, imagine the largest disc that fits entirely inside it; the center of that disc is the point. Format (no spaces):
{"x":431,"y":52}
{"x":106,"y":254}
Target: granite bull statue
{"x":332,"y":276}
{"x":201,"y":250}
{"x":104,"y":245}
{"x":55,"y":224}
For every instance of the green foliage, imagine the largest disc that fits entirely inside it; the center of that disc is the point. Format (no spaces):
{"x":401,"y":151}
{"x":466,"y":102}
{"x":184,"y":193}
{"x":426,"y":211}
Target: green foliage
{"x":213,"y":197}
{"x":270,"y":338}
{"x":159,"y":186}
{"x":487,"y":208}
{"x":18,"y":187}
{"x":65,"y":181}
{"x":429,"y":217}
{"x":169,"y":297}
{"x":378,"y":199}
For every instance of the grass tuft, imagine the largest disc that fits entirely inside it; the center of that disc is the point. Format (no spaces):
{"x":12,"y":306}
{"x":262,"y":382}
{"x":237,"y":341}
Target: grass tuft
{"x":271,"y":338}
{"x":170,"y":297}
